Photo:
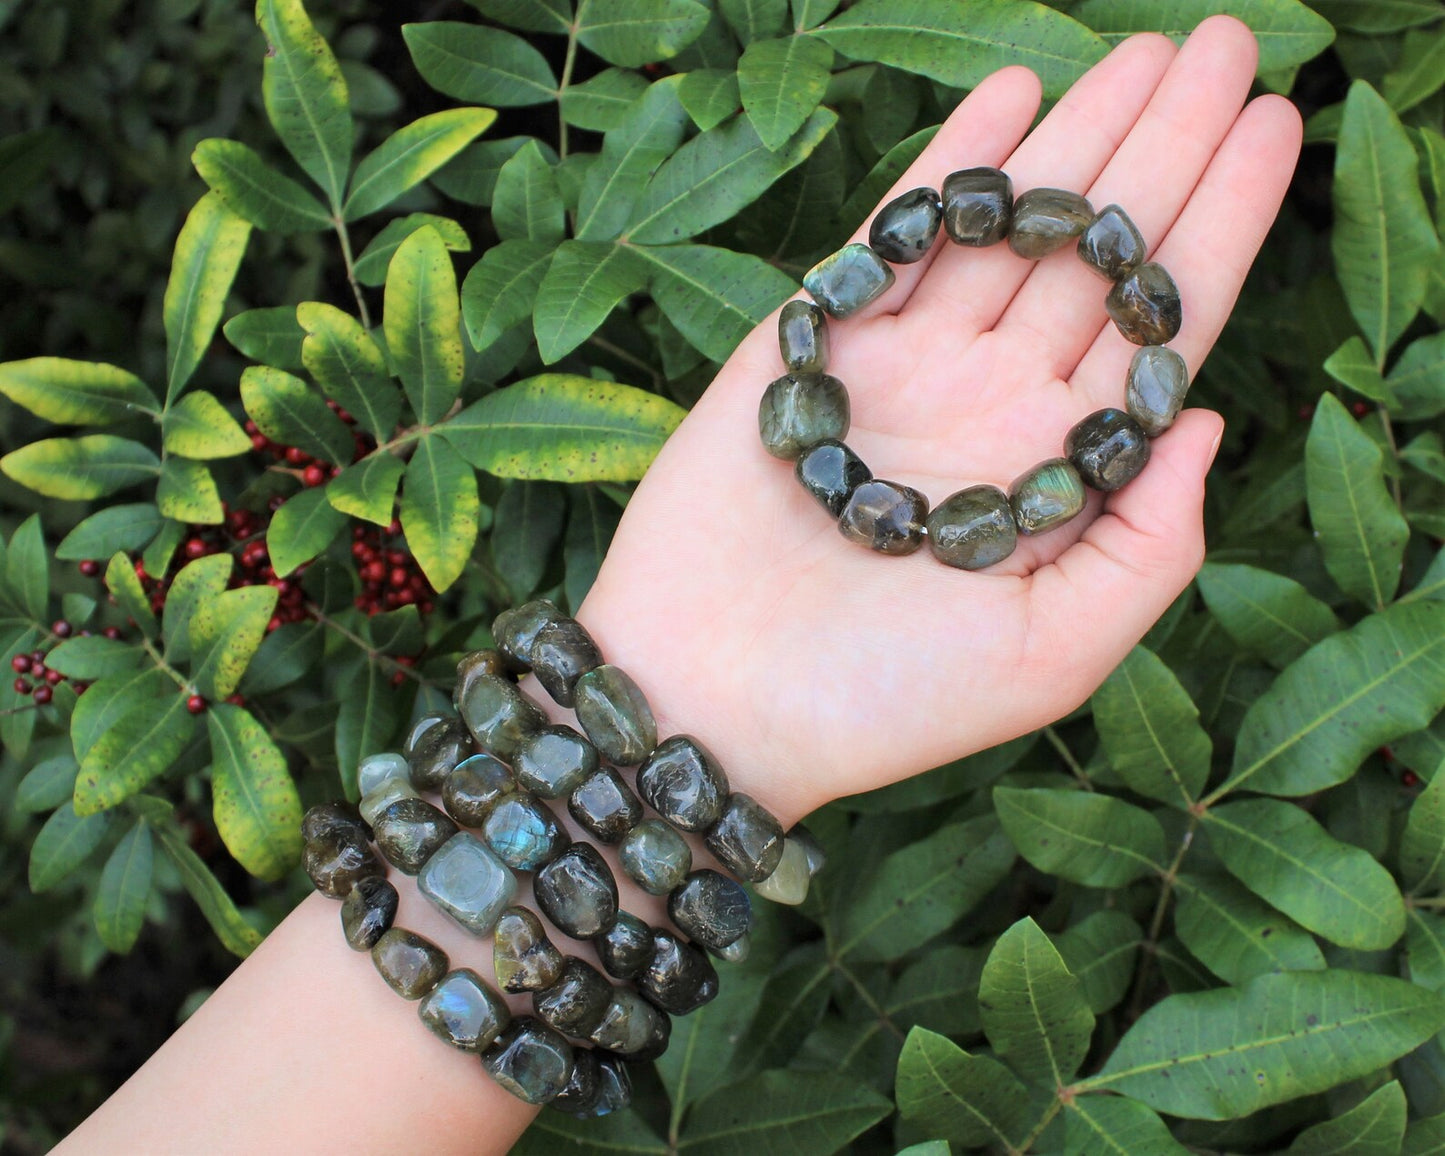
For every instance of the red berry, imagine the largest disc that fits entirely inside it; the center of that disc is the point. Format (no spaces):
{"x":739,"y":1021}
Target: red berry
{"x":236,"y":699}
{"x":406,"y":660}
{"x":111,"y":632}
{"x":90,"y":567}
{"x":398,"y":678}
{"x":1360,"y":408}
{"x":43,"y":694}
{"x":344,"y":416}
{"x":397,"y":557}
{"x":296,"y":456}
{"x":61,"y":629}
{"x":1410,"y":779}
{"x":140,"y":569}
{"x":427,"y":607}
{"x":21,"y":686}
{"x":398,"y":576}
{"x":20,"y":664}
{"x":358,"y":532}
{"x":37,"y":661}
{"x":196,"y":704}
{"x":313,"y":475}
{"x":274,"y":624}
{"x":260,"y":443}
{"x":54,"y":677}
{"x":374,"y":571}
{"x":393,"y":527}
{"x":275,"y":503}
{"x":250,"y":427}
{"x":403,"y":597}
{"x":80,"y":688}
{"x":195,"y":548}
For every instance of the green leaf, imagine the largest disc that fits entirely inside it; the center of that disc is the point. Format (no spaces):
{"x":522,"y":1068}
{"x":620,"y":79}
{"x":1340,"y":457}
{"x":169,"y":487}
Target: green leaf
{"x":755,"y":19}
{"x":1236,"y":935}
{"x":208,"y":252}
{"x":125,"y":588}
{"x":366,"y":490}
{"x":235,"y":934}
{"x":471,"y":175}
{"x":525,"y":533}
{"x":128,"y":526}
{"x":1420,"y":72}
{"x":1417,"y":379}
{"x":940,"y":988}
{"x":553,"y":16}
{"x":1422,"y":843}
{"x":710,"y":96}
{"x":1352,"y":366}
{"x":27,"y":568}
{"x":270,"y":336}
{"x":1286,"y":858}
{"x":289,"y":412}
{"x":1378,"y":15}
{"x":501,"y":289}
{"x":47,"y":785}
{"x":160,"y":553}
{"x":410,"y":155}
{"x":187,"y":493}
{"x":306,"y":95}
{"x":1087,"y":838}
{"x":65,"y":842}
{"x":76,"y":392}
{"x":423,"y":324}
{"x":972,"y":1100}
{"x":781,"y":83}
{"x":225,"y":632}
{"x":349,"y":367}
{"x":1033,"y":1010}
{"x":1425,"y":1137}
{"x":198,"y":426}
{"x":1149,"y":727}
{"x":140,"y":745}
{"x":125,"y":888}
{"x":93,"y":657}
{"x":1426,"y":453}
{"x":551,"y":1132}
{"x":257,"y":809}
{"x":582,"y":285}
{"x":372,"y":262}
{"x":81,"y":468}
{"x":365,"y":719}
{"x":590,"y":527}
{"x":1106,"y":1125}
{"x":648,"y":134}
{"x":439,"y":510}
{"x":714,"y":296}
{"x":479,"y":65}
{"x":1383,"y":239}
{"x":1373,"y":1127}
{"x":256,"y":192}
{"x":527,"y":203}
{"x":600,"y":103}
{"x":287,"y":654}
{"x":110,"y":699}
{"x":304,"y":526}
{"x":198,"y":581}
{"x":563,"y":428}
{"x":640,"y":31}
{"x":1267,"y":614}
{"x":804,"y":1113}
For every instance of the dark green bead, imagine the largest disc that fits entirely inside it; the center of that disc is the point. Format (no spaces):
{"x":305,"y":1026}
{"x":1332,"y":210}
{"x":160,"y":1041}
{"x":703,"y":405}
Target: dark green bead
{"x":973,"y":528}
{"x":468,"y":882}
{"x":373,"y":803}
{"x":464,"y":1011}
{"x":803,"y":337}
{"x":657,"y":1044}
{"x":977,"y":206}
{"x":554,"y":762}
{"x":523,"y":833}
{"x":710,"y":909}
{"x":904,"y":229}
{"x":584,"y":1086}
{"x":563,"y":652}
{"x":1046,"y":496}
{"x":830,"y":471}
{"x":326,"y":818}
{"x":367,"y":912}
{"x":499,"y":715}
{"x":735,"y":952}
{"x":655,"y":857}
{"x":339,"y":858}
{"x":628,"y":1024}
{"x":800,"y":410}
{"x":522,"y":955}
{"x":410,"y":831}
{"x":684,"y":783}
{"x":577,"y":892}
{"x":575,"y":1003}
{"x":884,"y":516}
{"x":747,"y":840}
{"x":437,"y":752}
{"x":1145,"y":305}
{"x":614,"y":713}
{"x":847,"y":280}
{"x":1045,"y":220}
{"x":605,"y":806}
{"x":477,"y":664}
{"x":530,"y":1060}
{"x":625,"y":947}
{"x":788,"y":884}
{"x":515,"y":630}
{"x":1111,"y":245}
{"x":1155,"y":387}
{"x":679,"y":978}
{"x":410,"y":964}
{"x":615,"y":1093}
{"x":1108,"y":448}
{"x":474,"y":786}
{"x":418,"y":729}
{"x":817,"y":857}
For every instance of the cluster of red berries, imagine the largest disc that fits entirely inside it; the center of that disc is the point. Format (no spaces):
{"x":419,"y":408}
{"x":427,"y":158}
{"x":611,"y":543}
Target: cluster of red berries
{"x":311,"y":471}
{"x":38,"y":681}
{"x":390,"y":576}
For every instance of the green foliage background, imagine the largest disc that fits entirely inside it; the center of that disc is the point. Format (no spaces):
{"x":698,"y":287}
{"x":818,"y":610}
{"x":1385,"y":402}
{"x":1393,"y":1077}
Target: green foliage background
{"x":1203,"y":913}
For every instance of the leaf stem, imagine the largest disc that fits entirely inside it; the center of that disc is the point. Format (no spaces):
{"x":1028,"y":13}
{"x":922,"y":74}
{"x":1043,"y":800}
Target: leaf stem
{"x":1062,"y":749}
{"x":884,"y":1019}
{"x":567,"y":64}
{"x":1156,"y":922}
{"x":1389,"y":428}
{"x":373,"y":655}
{"x":1038,"y":1129}
{"x":345,"y":238}
{"x":631,"y":358}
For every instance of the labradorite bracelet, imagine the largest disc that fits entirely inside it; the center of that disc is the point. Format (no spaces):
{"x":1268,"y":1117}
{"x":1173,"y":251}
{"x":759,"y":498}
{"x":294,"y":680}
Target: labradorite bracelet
{"x":804,"y":415}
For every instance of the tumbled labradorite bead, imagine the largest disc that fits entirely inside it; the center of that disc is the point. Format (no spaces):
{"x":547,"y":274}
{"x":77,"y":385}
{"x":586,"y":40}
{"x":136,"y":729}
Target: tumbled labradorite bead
{"x":584,"y":1085}
{"x":1111,"y":245}
{"x":610,"y":1087}
{"x":325,"y":818}
{"x":747,"y":840}
{"x":1145,"y":305}
{"x":884,"y":516}
{"x":605,"y":806}
{"x":337,"y":859}
{"x":499,"y":715}
{"x":817,"y":857}
{"x":475,"y":665}
{"x":409,"y":832}
{"x":1155,"y":387}
{"x":575,"y":1003}
{"x":554,"y":762}
{"x":845,"y":281}
{"x":973,"y":528}
{"x":516,"y":629}
{"x":655,"y":857}
{"x":799,"y":410}
{"x":419,"y":728}
{"x":390,"y":790}
{"x":374,"y":770}
{"x":522,"y":955}
{"x":464,"y":1011}
{"x":788,"y":884}
{"x":614,"y":713}
{"x":563,"y":652}
{"x":522,"y":832}
{"x":577,"y":892}
{"x":710,"y":909}
{"x":1108,"y":448}
{"x":625,"y":947}
{"x":367,"y":912}
{"x":679,"y":978}
{"x":830,"y":471}
{"x":1046,"y":496}
{"x":977,"y":206}
{"x":904,"y":229}
{"x":468,"y":882}
{"x":1045,"y":220}
{"x":474,"y":786}
{"x":803,"y":337}
{"x":410,"y":964}
{"x":437,"y":752}
{"x":530,"y":1060}
{"x":684,"y":783}
{"x":735,"y":952}
{"x":628,"y":1023}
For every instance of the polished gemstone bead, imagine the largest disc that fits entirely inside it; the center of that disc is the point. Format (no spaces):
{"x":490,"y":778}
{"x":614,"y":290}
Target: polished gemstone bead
{"x":788,"y":884}
{"x":385,"y":795}
{"x":530,"y":1060}
{"x":474,"y":786}
{"x":575,"y":1003}
{"x":515,"y":630}
{"x":499,"y":715}
{"x":655,"y":856}
{"x":554,"y":762}
{"x":977,"y":206}
{"x":628,"y":1023}
{"x":1045,"y":220}
{"x":1046,"y":496}
{"x":605,"y":805}
{"x":710,"y":909}
{"x":374,"y":770}
{"x":584,"y":1086}
{"x":657,"y":1045}
{"x":615,"y":715}
{"x":477,"y":664}
{"x":325,"y":818}
{"x":817,"y":857}
{"x":830,"y":471}
{"x":973,"y":528}
{"x":679,"y":978}
{"x":464,"y":1011}
{"x":577,"y":892}
{"x":522,"y":955}
{"x":1111,"y":245}
{"x":468,"y":882}
{"x":803,"y":337}
{"x":1155,"y":387}
{"x":847,"y":280}
{"x":1108,"y":448}
{"x":336,"y":860}
{"x":735,"y":952}
{"x":684,"y":783}
{"x":885,"y":516}
{"x":904,"y":229}
{"x":410,"y":964}
{"x":747,"y":840}
{"x":614,"y":1092}
{"x":419,"y":728}
{"x":625,"y":947}
{"x":410,"y":831}
{"x":799,"y":410}
{"x":367,"y":911}
{"x":522,"y":832}
{"x":562,"y":653}
{"x":438,"y":752}
{"x":1145,"y":305}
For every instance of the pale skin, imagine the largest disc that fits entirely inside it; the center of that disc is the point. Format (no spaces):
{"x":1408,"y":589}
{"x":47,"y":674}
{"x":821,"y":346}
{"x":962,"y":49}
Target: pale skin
{"x":812,"y":667}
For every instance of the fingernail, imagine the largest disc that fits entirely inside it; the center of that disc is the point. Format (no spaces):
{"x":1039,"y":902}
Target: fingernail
{"x":1214,"y":449}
